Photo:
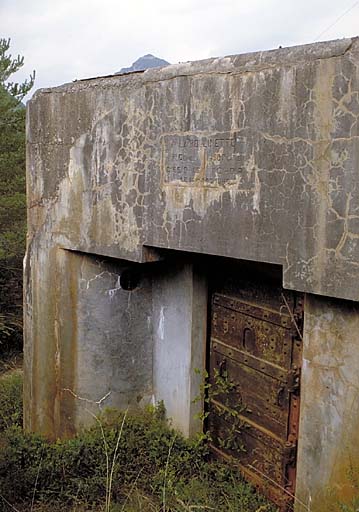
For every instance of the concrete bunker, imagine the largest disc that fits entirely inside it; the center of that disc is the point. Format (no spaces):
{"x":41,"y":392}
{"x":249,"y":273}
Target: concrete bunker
{"x":203,"y":216}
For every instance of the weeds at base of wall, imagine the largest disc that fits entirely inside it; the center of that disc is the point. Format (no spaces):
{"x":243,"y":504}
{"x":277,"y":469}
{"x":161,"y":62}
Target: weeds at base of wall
{"x":11,"y":400}
{"x":155,"y":469}
{"x":351,"y":489}
{"x":229,"y":409}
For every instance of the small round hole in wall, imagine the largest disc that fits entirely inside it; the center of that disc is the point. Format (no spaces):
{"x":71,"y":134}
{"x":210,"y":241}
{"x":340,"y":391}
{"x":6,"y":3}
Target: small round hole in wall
{"x":129,"y":280}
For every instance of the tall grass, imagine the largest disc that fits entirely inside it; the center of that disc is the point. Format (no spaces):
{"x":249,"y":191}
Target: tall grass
{"x":124,"y":463}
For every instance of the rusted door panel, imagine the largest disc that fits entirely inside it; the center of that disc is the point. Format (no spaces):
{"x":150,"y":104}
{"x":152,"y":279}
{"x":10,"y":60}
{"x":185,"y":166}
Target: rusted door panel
{"x":251,"y":289}
{"x":256,"y":346}
{"x":243,"y":357}
{"x":265,"y":400}
{"x":274,"y":492}
{"x":270,"y":313}
{"x":261,"y":454}
{"x":261,"y":338}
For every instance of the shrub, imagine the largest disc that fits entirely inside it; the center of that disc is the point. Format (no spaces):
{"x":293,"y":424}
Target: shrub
{"x":11,"y":399}
{"x":155,"y":469}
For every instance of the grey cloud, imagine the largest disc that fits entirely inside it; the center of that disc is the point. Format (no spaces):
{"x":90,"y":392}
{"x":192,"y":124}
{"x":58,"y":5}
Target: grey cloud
{"x":74,"y":39}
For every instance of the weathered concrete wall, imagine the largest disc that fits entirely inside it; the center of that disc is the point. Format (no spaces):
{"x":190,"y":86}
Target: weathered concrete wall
{"x":88,"y":338}
{"x":329,"y":436}
{"x":252,"y":156}
{"x":114,"y":338}
{"x":180,"y":325}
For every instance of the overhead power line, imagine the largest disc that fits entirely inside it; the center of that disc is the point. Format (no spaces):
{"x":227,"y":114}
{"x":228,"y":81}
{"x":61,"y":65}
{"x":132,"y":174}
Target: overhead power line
{"x":336,"y":21}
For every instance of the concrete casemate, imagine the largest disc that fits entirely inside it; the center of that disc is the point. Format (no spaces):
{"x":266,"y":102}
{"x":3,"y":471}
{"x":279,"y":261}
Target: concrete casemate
{"x":134,"y":181}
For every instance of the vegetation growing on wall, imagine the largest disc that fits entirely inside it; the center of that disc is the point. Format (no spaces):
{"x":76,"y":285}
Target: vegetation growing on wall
{"x":12,"y":195}
{"x":229,"y":408}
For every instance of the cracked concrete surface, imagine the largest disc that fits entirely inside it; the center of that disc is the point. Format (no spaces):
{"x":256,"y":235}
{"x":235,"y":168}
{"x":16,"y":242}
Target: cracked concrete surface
{"x":253,"y":157}
{"x":109,"y":170}
{"x":328,"y":443}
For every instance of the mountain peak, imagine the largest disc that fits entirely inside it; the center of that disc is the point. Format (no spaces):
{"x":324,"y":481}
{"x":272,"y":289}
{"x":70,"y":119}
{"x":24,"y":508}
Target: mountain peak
{"x":145,"y":62}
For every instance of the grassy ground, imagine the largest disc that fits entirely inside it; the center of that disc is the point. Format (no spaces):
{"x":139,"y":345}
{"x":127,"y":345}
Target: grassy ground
{"x":10,"y":360}
{"x":126,"y":463}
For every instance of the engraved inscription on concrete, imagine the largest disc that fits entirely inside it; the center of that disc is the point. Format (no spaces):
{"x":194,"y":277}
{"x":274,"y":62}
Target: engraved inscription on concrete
{"x":214,"y":159}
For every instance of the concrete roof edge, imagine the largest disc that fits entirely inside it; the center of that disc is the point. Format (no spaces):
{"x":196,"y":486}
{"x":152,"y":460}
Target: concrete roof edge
{"x":255,"y":60}
{"x":239,"y":63}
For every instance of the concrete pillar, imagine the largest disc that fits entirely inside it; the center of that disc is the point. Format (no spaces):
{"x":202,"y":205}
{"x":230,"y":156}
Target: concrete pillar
{"x":328,"y":451}
{"x":180,"y":324}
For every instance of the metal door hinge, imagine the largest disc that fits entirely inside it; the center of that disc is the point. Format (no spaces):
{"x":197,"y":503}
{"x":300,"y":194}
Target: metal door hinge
{"x":289,"y":453}
{"x":293,"y":380}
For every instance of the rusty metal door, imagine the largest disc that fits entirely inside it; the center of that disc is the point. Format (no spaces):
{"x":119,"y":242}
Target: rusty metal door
{"x":254,"y":367}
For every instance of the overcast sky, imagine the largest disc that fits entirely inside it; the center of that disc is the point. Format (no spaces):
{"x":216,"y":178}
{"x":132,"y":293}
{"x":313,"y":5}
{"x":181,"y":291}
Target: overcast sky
{"x":65,"y":40}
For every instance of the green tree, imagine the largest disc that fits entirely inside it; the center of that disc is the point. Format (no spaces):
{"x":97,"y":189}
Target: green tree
{"x":12,"y":192}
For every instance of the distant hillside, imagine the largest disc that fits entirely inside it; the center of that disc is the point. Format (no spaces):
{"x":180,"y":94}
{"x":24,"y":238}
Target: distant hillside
{"x":145,"y":62}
